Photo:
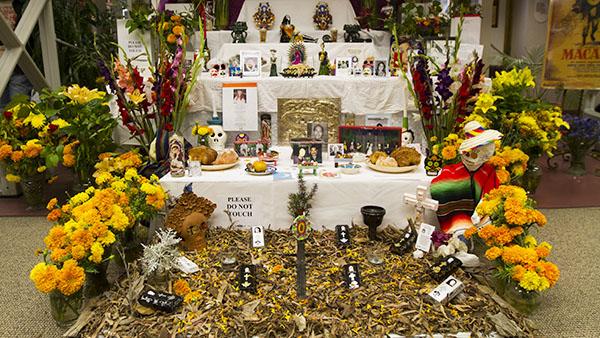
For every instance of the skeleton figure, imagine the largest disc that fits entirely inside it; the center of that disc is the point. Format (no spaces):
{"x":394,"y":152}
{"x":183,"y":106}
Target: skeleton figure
{"x":590,"y":11}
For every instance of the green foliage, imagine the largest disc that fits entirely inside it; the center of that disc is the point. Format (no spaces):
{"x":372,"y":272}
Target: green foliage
{"x":299,"y":203}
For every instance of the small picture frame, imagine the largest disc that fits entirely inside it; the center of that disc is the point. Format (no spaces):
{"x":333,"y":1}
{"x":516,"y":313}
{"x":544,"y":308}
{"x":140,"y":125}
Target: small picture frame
{"x":317,"y":131}
{"x":306,"y":150}
{"x":335,"y":149}
{"x":250,"y":62}
{"x":249,"y":148}
{"x":380,"y":68}
{"x":356,"y":66}
{"x":343,"y":66}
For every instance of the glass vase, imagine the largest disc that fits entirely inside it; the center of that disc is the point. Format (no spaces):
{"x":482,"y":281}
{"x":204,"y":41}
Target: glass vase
{"x":96,"y":282}
{"x":33,"y":191}
{"x":531,"y":178}
{"x":577,"y":167}
{"x":522,"y":300}
{"x":65,"y":309}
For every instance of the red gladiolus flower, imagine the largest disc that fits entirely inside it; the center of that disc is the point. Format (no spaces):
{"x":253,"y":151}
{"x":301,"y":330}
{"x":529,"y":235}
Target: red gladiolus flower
{"x":168,"y":127}
{"x":8,"y":114}
{"x":52,"y":127}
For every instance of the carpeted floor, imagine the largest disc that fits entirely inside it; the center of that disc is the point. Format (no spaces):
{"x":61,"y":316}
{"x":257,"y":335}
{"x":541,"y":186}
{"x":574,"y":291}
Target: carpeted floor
{"x":571,"y":309}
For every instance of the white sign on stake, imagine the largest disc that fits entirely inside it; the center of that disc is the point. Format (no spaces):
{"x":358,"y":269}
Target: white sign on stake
{"x":424,"y":237}
{"x":258,"y":237}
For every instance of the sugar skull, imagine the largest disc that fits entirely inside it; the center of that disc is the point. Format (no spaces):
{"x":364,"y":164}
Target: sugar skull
{"x":218,"y":138}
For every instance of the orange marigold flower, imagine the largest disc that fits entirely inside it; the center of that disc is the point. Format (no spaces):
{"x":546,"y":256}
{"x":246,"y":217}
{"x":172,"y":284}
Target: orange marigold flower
{"x":516,"y":231}
{"x":503,"y":235}
{"x":487,"y":232}
{"x":70,"y":278}
{"x":68,"y":160}
{"x":171,"y":38}
{"x":5,"y":151}
{"x":58,"y":255}
{"x":52,"y":203}
{"x":550,"y":271}
{"x":54,"y":215}
{"x":518,"y":272}
{"x":181,"y":287}
{"x":16,"y":156}
{"x":503,"y":175}
{"x":178,"y":30}
{"x":470,"y":232}
{"x":56,"y":238}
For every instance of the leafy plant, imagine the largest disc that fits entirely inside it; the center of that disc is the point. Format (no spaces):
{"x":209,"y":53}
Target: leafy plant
{"x":299,"y":203}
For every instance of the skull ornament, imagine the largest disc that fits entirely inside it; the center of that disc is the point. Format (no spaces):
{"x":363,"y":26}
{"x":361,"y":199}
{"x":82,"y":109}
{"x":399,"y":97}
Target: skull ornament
{"x":476,"y":157}
{"x":218,"y":138}
{"x":479,"y":146}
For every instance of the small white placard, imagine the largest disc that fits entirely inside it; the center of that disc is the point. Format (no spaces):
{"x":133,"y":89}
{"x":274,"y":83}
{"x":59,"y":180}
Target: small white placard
{"x":258,"y":236}
{"x":447,"y":290}
{"x":186,"y":265}
{"x":343,"y":66}
{"x":424,"y":237}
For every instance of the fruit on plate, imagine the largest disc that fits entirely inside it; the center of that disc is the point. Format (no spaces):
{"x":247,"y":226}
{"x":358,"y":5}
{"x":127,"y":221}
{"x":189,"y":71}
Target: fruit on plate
{"x":376,"y":155}
{"x":259,"y":166}
{"x":386,"y":161}
{"x":226,"y":157}
{"x":406,"y":156}
{"x":203,"y":154}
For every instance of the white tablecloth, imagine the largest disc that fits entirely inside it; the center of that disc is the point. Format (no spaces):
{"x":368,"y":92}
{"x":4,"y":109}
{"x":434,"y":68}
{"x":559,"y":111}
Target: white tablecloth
{"x":337,"y":201}
{"x":334,"y":50}
{"x":301,"y":13}
{"x":360,"y":95}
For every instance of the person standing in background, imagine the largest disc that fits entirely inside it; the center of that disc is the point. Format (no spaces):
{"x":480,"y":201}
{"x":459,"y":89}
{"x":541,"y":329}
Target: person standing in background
{"x":18,"y":82}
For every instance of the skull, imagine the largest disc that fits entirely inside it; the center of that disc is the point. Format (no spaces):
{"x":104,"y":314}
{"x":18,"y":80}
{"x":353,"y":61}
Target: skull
{"x":476,"y":157}
{"x":214,"y":72}
{"x":218,"y":138}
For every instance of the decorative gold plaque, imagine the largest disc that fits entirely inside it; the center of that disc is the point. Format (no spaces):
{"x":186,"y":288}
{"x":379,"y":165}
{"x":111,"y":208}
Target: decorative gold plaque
{"x":293,"y":115}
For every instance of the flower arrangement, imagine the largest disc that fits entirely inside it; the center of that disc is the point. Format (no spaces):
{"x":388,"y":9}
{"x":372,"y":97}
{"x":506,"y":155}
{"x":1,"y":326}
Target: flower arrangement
{"x":159,"y":103}
{"x":528,"y":124}
{"x":203,"y":132}
{"x":30,"y":140}
{"x":90,"y":125}
{"x":447,"y":149}
{"x":583,"y":134}
{"x":516,"y":253}
{"x":419,"y":20}
{"x":117,"y":164}
{"x":510,"y":163}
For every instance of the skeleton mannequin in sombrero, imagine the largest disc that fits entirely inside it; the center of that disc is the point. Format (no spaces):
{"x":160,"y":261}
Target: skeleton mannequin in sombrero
{"x":459,"y":187}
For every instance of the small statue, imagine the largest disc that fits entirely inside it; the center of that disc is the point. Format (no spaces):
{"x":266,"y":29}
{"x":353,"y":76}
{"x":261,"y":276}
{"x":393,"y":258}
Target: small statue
{"x":459,"y":187}
{"x":297,"y":52}
{"x":324,"y":59}
{"x":387,"y":11}
{"x":287,"y":29}
{"x":322,"y":18}
{"x":239,"y":33}
{"x":264,"y":17}
{"x":273,"y":63}
{"x":395,"y":60}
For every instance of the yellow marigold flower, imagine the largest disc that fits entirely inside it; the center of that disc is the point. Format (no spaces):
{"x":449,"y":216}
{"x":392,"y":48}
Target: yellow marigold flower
{"x":41,"y":169}
{"x":131,"y":174}
{"x":52,"y":203}
{"x":68,"y":160}
{"x":60,"y":123}
{"x":16,"y":156}
{"x":191,"y":297}
{"x":118,"y":186}
{"x":35,"y":120}
{"x":549,"y":271}
{"x":181,"y":287}
{"x":433,"y":139}
{"x":44,"y":277}
{"x":98,"y":229}
{"x":59,"y":255}
{"x":503,"y":176}
{"x":103,"y":178}
{"x":97,"y":251}
{"x":435,"y":149}
{"x":516,"y":231}
{"x":533,"y":282}
{"x":487,"y":231}
{"x":66,"y":208}
{"x":79,"y":198}
{"x":82,"y":95}
{"x":449,"y":153}
{"x":13,"y":178}
{"x":503,"y":235}
{"x":497,"y":161}
{"x":175,"y":18}
{"x":77,"y":252}
{"x":54,"y":215}
{"x":82,"y":237}
{"x":56,"y":238}
{"x":70,"y":278}
{"x":119,"y":220}
{"x":543,"y":250}
{"x":107,"y":239}
{"x":493,"y":253}
{"x":470,"y":232}
{"x":5,"y":151}
{"x":178,"y":30}
{"x":148,"y":188}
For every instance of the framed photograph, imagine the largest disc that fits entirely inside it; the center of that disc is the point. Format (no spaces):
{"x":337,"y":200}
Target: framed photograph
{"x":381,"y":68}
{"x":317,"y":131}
{"x":365,"y":139}
{"x":240,"y":106}
{"x":334,"y":149}
{"x":343,"y":66}
{"x":306,"y":149}
{"x":356,"y":66}
{"x":250,"y":62}
{"x":250,"y":148}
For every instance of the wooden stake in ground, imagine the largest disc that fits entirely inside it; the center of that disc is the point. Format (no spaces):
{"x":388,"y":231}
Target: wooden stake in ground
{"x":301,"y":228}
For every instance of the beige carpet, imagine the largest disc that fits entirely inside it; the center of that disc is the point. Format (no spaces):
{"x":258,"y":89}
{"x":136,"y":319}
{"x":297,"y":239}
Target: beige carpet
{"x":571,"y":309}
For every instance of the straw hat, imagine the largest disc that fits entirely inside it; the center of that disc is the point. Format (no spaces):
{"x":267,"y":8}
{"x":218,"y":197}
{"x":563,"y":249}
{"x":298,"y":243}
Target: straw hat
{"x":477,"y":136}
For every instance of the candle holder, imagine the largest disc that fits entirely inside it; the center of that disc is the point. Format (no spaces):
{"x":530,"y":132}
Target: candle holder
{"x":372,"y":217}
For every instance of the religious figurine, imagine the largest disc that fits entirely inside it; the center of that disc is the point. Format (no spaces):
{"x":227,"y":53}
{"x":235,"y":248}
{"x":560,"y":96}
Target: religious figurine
{"x":387,"y":11}
{"x":459,"y":187}
{"x":265,"y":128}
{"x":287,"y":29}
{"x":324,"y":61}
{"x":297,"y":52}
{"x":395,"y":60}
{"x":273,"y":59}
{"x":239,"y":33}
{"x":322,"y":18}
{"x":264,"y":17}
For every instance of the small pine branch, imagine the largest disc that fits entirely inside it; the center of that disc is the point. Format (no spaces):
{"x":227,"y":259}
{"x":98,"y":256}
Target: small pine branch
{"x":299,"y":203}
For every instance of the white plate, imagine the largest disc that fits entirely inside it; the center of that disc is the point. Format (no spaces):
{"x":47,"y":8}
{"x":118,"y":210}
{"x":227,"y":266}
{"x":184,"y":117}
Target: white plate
{"x":392,"y":170}
{"x":269,"y":171}
{"x":217,"y":167}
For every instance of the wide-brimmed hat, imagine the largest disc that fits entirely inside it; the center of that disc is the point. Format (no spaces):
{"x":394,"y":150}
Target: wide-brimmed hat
{"x":476,"y":135}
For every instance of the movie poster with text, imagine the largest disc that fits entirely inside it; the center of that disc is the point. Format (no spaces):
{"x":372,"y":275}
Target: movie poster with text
{"x":572,"y":58}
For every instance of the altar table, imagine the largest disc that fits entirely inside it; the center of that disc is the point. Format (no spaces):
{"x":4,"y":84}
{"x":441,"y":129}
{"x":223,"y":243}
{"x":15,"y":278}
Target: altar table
{"x":262,"y":200}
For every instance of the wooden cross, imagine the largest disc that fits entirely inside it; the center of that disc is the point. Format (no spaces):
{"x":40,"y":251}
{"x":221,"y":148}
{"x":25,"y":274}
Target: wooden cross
{"x":301,"y":229}
{"x":420,"y":202}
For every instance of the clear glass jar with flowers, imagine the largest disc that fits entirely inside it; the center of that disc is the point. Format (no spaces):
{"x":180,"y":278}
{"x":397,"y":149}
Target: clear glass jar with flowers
{"x":522,"y":268}
{"x":579,"y":139}
{"x":203,"y":133}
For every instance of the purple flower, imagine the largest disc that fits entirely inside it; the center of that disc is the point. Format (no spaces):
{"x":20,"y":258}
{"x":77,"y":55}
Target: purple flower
{"x":440,"y":238}
{"x":442,"y":86}
{"x":582,"y":129}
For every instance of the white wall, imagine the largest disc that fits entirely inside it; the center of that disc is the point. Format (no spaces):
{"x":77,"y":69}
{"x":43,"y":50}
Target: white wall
{"x":490,"y":35}
{"x":527,"y":31}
